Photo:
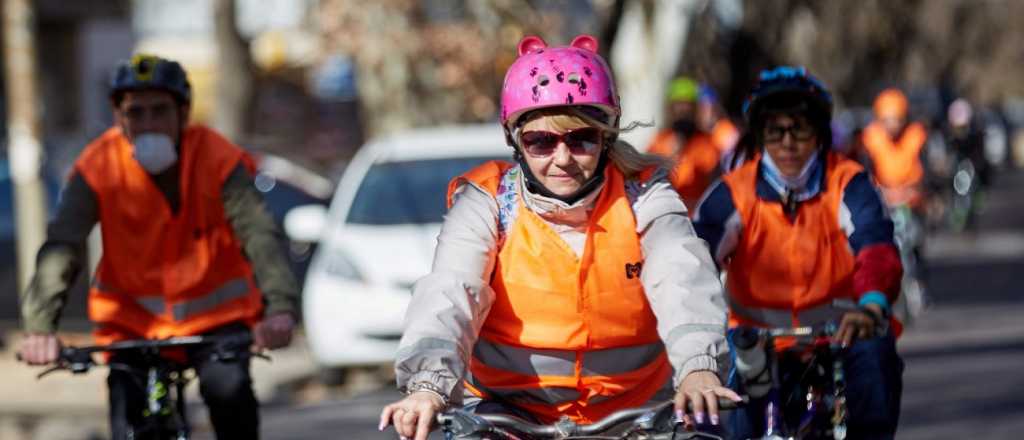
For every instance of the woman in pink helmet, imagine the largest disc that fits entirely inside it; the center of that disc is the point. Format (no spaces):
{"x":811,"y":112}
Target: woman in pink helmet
{"x":569,"y":281}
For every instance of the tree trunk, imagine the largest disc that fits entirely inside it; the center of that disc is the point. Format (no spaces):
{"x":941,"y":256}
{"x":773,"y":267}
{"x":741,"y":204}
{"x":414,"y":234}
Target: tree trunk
{"x":649,"y":43}
{"x":235,"y":73}
{"x":23,"y":127}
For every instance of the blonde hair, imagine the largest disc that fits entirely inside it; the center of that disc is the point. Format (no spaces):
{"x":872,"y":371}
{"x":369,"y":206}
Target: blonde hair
{"x":622,"y":154}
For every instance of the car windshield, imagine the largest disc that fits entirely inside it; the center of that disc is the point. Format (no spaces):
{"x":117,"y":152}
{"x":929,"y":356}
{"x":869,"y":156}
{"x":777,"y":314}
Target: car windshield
{"x":407,"y":192}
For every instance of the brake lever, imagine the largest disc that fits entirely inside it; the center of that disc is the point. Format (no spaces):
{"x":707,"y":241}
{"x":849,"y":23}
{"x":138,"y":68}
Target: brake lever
{"x":47,"y":371}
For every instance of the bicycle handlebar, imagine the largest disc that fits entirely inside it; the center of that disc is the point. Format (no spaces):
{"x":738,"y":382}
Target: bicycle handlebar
{"x":79,"y":359}
{"x":645,"y":418}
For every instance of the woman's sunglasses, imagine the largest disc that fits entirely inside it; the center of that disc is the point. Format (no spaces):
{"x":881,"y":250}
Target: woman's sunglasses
{"x":539,"y":143}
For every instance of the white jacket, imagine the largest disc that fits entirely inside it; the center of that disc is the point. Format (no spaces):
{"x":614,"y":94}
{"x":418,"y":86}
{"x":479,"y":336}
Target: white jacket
{"x":449,"y":306}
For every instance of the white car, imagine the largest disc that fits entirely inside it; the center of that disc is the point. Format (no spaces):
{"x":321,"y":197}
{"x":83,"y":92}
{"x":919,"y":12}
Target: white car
{"x":378,"y":238}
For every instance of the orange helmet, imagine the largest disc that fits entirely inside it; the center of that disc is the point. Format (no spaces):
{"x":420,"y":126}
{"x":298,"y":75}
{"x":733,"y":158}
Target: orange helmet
{"x":891,"y":103}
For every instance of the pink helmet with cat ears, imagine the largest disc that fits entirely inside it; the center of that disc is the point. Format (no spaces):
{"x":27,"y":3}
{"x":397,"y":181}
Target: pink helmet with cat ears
{"x":549,"y":77}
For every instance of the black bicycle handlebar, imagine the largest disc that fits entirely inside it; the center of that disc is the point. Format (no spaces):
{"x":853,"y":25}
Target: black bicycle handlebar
{"x":643,"y":417}
{"x":79,"y":359}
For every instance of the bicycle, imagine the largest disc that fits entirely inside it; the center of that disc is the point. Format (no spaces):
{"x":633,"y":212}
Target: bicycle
{"x":909,"y":234}
{"x":164,"y":416}
{"x":654,"y":422}
{"x":813,"y":406}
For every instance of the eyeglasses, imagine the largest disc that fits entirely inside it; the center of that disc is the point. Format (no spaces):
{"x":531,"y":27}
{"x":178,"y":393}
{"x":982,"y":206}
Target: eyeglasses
{"x":800,"y":132}
{"x":539,"y":143}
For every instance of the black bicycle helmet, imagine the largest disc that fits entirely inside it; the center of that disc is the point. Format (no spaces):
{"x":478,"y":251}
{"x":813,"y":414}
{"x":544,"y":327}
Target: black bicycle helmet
{"x":788,"y":89}
{"x":144,"y":71}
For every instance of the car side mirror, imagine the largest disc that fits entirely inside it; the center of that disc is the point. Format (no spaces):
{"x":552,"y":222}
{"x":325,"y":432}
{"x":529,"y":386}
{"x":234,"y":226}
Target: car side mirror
{"x":305,"y":223}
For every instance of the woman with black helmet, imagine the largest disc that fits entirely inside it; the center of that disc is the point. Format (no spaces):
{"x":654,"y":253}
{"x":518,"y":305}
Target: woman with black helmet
{"x":798,"y":227}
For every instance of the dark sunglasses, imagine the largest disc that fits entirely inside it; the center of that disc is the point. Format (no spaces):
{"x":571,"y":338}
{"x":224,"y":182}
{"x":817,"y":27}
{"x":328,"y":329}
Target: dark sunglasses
{"x":539,"y":143}
{"x":800,"y":132}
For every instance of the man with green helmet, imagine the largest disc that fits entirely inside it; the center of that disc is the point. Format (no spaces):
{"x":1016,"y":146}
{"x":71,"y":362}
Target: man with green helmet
{"x":692,"y":151}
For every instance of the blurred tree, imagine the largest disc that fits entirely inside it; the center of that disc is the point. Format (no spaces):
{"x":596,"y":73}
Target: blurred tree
{"x":236,"y":73}
{"x":425,"y":63}
{"x":859,"y":47}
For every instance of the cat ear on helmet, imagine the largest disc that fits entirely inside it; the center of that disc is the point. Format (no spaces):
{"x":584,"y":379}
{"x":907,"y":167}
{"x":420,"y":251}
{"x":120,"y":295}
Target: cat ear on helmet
{"x":530,"y":44}
{"x":585,"y":42}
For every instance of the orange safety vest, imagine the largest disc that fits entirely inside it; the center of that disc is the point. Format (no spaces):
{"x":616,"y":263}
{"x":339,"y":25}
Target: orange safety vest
{"x":725,"y":135}
{"x":567,"y":335}
{"x":166,"y":274}
{"x":897,"y":162}
{"x":786,"y":273}
{"x":695,"y":163}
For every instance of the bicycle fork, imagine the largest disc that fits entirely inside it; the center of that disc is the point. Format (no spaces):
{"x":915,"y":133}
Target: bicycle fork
{"x":839,"y":397}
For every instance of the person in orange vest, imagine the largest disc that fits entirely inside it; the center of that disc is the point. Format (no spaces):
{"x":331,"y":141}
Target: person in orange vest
{"x":797,"y":227}
{"x":568,"y":282}
{"x":895,"y":148}
{"x":710,"y":119}
{"x":692,"y":150}
{"x":188,"y":249}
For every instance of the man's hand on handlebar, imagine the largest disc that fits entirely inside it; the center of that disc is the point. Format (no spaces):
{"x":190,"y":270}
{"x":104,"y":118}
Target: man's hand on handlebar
{"x":859,"y":324}
{"x":39,"y":349}
{"x":275,"y":331}
{"x":701,"y":390}
{"x":413,"y":415}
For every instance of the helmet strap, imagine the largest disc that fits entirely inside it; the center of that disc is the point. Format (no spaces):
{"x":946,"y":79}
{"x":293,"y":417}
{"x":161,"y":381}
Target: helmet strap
{"x":535,"y":186}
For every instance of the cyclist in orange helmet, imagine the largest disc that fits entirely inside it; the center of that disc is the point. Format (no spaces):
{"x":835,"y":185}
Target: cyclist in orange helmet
{"x":894,"y":148}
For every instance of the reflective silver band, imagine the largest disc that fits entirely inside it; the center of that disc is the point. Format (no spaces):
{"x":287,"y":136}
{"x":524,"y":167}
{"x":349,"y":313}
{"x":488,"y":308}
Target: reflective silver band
{"x":782,"y":317}
{"x":547,"y":362}
{"x":155,"y":304}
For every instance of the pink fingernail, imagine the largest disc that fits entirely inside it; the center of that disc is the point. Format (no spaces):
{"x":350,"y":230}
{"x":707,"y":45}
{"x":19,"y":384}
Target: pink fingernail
{"x":714,"y":419}
{"x":699,"y":416}
{"x":381,"y":426}
{"x":679,"y":416}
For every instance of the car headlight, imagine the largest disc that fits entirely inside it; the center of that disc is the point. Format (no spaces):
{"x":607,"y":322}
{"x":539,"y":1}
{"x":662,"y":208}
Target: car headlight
{"x":337,"y":263}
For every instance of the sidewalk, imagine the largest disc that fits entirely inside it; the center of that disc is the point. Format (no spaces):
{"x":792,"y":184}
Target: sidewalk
{"x":62,"y":406}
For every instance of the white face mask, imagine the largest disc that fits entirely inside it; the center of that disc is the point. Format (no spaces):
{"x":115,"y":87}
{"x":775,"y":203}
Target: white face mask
{"x":154,"y":152}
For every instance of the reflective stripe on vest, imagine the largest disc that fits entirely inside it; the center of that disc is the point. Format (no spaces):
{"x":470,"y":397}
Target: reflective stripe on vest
{"x":154,"y":302}
{"x":549,"y":395}
{"x":782,"y":317}
{"x":538,"y":362}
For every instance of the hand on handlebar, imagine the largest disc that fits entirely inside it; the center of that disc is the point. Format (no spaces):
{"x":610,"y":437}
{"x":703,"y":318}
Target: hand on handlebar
{"x":39,"y":349}
{"x":859,"y":324}
{"x":701,"y":390}
{"x":274,"y":331}
{"x":412,"y":416}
